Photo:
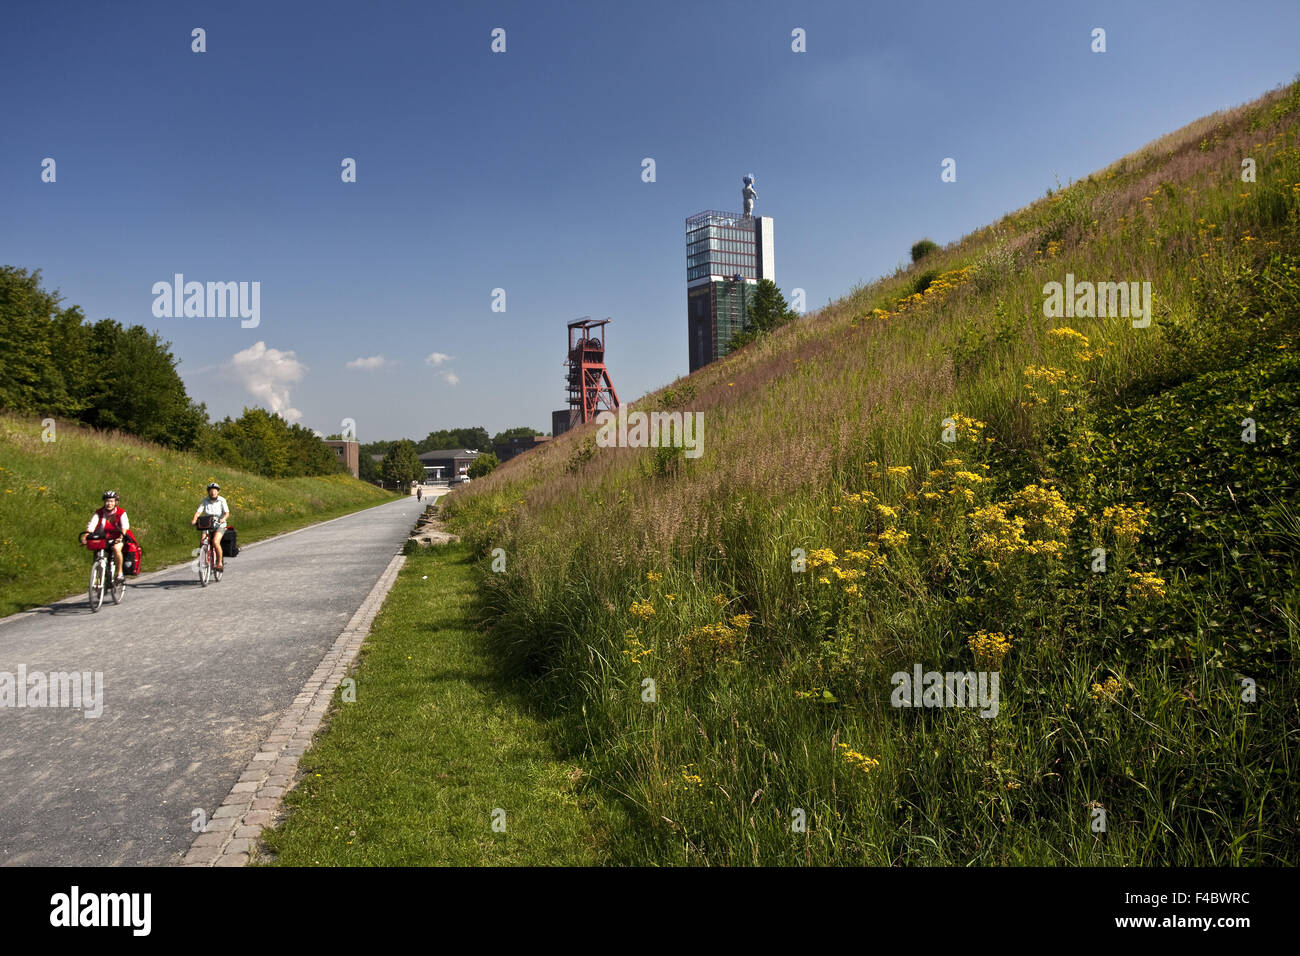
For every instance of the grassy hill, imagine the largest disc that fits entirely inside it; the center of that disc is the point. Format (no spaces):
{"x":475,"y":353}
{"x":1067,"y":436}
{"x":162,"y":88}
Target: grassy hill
{"x":931,"y":472}
{"x":48,"y":490}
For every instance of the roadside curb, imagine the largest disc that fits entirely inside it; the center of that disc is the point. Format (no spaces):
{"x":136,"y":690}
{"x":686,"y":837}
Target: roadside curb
{"x":237,"y":824}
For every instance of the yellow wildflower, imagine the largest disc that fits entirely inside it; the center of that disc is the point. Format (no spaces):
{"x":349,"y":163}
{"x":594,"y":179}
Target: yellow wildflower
{"x":1127,"y":523}
{"x":989,"y":649}
{"x":1146,"y":586}
{"x":634,"y":650}
{"x":894,"y":538}
{"x":1110,"y":689}
{"x":858,"y":761}
{"x":1045,"y":373}
{"x":821,"y":556}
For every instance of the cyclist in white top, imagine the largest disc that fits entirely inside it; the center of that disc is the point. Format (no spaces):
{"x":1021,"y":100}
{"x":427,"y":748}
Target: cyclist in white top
{"x":214,"y":506}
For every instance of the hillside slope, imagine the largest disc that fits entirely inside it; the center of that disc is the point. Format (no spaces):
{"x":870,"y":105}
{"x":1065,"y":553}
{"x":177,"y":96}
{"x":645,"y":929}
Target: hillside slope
{"x":48,"y":490}
{"x":936,"y":474}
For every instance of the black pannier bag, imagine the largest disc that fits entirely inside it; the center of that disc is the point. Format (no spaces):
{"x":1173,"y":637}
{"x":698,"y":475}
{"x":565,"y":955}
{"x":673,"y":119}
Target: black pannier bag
{"x":229,"y":546}
{"x":205,"y":523}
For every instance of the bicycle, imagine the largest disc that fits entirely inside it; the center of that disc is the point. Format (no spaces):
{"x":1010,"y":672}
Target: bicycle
{"x":207,"y":555}
{"x":99,"y":572}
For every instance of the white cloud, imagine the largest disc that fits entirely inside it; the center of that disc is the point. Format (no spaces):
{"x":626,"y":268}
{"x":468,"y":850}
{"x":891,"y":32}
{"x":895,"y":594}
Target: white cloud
{"x":451,"y":378}
{"x":437,"y":358}
{"x":371,"y":363}
{"x":267,"y":374}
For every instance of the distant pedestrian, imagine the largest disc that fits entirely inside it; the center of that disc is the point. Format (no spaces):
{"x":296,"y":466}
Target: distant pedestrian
{"x":419,"y":493}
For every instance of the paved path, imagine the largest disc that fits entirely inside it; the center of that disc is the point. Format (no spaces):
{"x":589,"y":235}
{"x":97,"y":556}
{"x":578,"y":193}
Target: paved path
{"x":194,"y":679}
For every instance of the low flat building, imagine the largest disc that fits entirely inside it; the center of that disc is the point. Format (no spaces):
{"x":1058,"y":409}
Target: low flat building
{"x":448,"y":463}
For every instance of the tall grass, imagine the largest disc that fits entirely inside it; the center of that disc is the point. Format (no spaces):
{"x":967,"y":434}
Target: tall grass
{"x":830,"y":537}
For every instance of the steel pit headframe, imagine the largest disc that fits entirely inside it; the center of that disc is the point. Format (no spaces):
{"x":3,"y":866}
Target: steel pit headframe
{"x":590,"y":388}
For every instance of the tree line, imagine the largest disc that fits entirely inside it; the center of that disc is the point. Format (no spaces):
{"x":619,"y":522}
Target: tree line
{"x":108,"y":376}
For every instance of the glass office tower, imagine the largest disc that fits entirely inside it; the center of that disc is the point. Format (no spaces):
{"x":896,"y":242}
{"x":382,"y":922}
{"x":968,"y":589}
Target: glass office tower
{"x":726,"y":255}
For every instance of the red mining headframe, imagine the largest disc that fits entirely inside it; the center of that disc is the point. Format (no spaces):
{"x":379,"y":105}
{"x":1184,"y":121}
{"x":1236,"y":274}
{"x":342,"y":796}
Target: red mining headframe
{"x":590,"y":388}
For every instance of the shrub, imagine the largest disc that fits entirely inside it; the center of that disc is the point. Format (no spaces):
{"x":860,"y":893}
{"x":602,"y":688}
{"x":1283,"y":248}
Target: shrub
{"x":483,"y":465}
{"x":924,"y":279}
{"x":922,"y":249}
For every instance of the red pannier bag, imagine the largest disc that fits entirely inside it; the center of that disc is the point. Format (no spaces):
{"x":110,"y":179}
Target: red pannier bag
{"x":132,"y":555}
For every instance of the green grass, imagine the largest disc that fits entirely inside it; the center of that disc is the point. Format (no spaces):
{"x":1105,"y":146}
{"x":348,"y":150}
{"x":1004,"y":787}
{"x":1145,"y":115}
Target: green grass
{"x":623,"y":567}
{"x":48,"y":490}
{"x":410,"y":774}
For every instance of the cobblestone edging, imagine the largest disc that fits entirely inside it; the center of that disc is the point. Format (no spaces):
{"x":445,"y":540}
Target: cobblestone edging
{"x":252,"y":802}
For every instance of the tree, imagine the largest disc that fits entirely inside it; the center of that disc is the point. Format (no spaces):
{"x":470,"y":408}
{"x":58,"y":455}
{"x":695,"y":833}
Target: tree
{"x":482,"y":465}
{"x":103,"y":374}
{"x":368,"y":468}
{"x":767,"y":311}
{"x":31,"y":379}
{"x":264,"y":443}
{"x":472,"y":438}
{"x":523,"y":431}
{"x":308,"y":455}
{"x":136,"y":388}
{"x":377,"y":447}
{"x":401,"y":464}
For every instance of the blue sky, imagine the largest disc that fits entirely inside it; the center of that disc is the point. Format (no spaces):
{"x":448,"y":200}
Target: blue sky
{"x":522,"y":170}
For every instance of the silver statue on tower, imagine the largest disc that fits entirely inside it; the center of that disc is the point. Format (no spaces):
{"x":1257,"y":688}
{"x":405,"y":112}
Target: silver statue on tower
{"x":749,"y":195}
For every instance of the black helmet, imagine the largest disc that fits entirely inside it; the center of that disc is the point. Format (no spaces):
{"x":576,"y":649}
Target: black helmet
{"x":214,"y":485}
{"x":110,"y":494}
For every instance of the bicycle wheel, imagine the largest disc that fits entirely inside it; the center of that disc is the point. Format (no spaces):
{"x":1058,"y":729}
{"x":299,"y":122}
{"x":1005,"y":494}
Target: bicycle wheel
{"x":204,"y":567}
{"x":216,"y":571}
{"x":96,"y":585}
{"x":117,"y":588}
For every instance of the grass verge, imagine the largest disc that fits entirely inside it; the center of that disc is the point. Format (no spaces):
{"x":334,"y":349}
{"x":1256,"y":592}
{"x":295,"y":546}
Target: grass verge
{"x":414,"y":771}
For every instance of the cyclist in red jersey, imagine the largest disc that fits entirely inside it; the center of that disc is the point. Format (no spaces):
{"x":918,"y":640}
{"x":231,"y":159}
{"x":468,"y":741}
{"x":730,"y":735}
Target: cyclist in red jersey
{"x":113,"y":521}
